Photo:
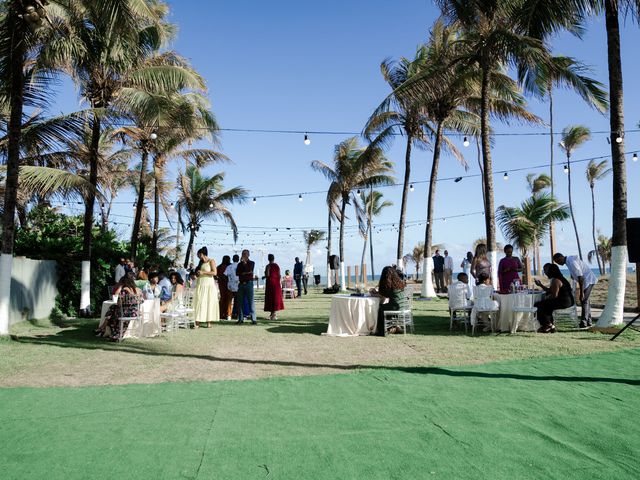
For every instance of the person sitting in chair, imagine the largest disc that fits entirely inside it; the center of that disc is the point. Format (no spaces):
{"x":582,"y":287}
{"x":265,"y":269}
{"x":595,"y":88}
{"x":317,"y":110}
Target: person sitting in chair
{"x":391,"y":293}
{"x":559,"y":296}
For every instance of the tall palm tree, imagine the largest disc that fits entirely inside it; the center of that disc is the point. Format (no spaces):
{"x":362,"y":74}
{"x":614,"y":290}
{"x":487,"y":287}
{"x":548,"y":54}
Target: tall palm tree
{"x":614,"y":307}
{"x":602,"y":251}
{"x":201,"y":198}
{"x":494,"y":39}
{"x":353,"y":167}
{"x":311,"y":238}
{"x":536,"y":184}
{"x":572,"y":138}
{"x":596,"y":171}
{"x":372,"y":206}
{"x":401,"y":114}
{"x":106,"y":52}
{"x":525,"y":225}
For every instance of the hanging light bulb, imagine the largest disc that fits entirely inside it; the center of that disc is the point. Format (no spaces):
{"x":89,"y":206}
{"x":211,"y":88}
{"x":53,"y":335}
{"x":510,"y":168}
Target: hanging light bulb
{"x":505,"y":177}
{"x":411,"y":187}
{"x":153,"y":136}
{"x":444,"y":219}
{"x":566,"y":168}
{"x":300,"y":197}
{"x":307,"y":141}
{"x":457,"y":179}
{"x":254,"y":200}
{"x":618,"y":138}
{"x":358,"y":192}
{"x":465,"y":142}
{"x":635,"y":157}
{"x":211,"y":205}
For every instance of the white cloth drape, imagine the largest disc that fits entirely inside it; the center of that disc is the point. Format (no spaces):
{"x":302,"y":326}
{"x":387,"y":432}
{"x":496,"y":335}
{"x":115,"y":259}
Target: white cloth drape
{"x":351,"y":316}
{"x":505,"y":317}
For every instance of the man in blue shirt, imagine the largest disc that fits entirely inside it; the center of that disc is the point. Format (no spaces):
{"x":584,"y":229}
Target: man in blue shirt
{"x":298,"y":270}
{"x":165,"y":288}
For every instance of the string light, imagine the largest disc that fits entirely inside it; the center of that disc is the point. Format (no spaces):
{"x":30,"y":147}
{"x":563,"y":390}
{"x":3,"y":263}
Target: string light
{"x":457,"y":179}
{"x":618,"y":137}
{"x":211,"y":205}
{"x":307,"y":141}
{"x":254,"y":200}
{"x":358,"y":192}
{"x":635,"y":157}
{"x":153,"y":136}
{"x":411,"y":187}
{"x":566,"y":168}
{"x":465,"y":142}
{"x":300,"y":197}
{"x":505,"y":177}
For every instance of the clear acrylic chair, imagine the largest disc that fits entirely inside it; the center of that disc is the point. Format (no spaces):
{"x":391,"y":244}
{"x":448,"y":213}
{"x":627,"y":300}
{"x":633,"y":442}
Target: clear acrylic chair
{"x":522,"y":306}
{"x":401,"y":318}
{"x":129,"y":308}
{"x":484,"y":305}
{"x":459,"y":307}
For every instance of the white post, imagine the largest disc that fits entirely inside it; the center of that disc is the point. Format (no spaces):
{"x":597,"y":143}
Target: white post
{"x":6,"y":263}
{"x":493,"y":258}
{"x":329,"y":276}
{"x":343,"y":283}
{"x":613,"y":313}
{"x":85,"y":286}
{"x":400,"y":264}
{"x":427,"y":290}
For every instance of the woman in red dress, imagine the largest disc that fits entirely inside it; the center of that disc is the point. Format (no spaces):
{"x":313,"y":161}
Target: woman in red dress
{"x":273,"y":290}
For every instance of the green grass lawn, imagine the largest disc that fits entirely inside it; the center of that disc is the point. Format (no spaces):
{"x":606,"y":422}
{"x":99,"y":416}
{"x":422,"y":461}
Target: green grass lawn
{"x":52,"y":356}
{"x":551,"y":418}
{"x":431,"y":405}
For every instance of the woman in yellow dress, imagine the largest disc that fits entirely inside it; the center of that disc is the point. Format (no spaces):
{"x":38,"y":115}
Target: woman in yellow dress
{"x":206,"y":304}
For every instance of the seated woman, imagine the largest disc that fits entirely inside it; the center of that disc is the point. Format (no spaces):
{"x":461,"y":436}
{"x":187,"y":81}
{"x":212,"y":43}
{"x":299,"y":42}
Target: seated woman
{"x":287,"y":282}
{"x":177,"y":287}
{"x":391,"y":293}
{"x":559,"y":296}
{"x":129,"y":297}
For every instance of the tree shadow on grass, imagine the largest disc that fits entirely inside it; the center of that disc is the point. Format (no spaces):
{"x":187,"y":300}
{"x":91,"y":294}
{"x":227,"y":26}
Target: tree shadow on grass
{"x":79,"y":337}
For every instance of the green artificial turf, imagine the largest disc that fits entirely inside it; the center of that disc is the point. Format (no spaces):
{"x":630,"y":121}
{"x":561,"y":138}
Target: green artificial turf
{"x":564,"y":418}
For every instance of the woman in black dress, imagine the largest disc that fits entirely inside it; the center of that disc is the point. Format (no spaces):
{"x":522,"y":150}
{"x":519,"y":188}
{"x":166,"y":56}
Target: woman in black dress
{"x":390,"y":287}
{"x":559,"y":296}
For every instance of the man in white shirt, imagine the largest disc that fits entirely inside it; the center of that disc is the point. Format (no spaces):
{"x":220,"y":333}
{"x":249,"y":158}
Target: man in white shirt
{"x":448,"y":269}
{"x":585,"y":279}
{"x":120,"y":270}
{"x":232,"y":283}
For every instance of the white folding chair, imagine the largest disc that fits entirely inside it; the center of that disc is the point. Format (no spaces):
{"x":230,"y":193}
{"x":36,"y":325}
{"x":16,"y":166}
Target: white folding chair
{"x":288,"y":291}
{"x":131,"y":304}
{"x":459,"y":307}
{"x":186,"y":308}
{"x":484,"y":305}
{"x":173,"y":315}
{"x":522,"y":307}
{"x":401,"y":318}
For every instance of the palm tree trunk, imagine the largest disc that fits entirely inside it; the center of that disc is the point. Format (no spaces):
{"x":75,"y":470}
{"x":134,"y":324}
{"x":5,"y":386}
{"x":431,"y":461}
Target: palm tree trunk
{"x":479,"y":158}
{"x":403,"y":203}
{"x":573,"y":218}
{"x":364,"y":247}
{"x":16,"y":72}
{"x":427,"y":284}
{"x":593,"y":229}
{"x":329,"y":271}
{"x":192,"y":237}
{"x":343,"y":210}
{"x":85,"y":282}
{"x":487,"y":171}
{"x":552,"y":228}
{"x":613,"y":310}
{"x":135,"y":233}
{"x":373,"y":275}
{"x":156,"y":210}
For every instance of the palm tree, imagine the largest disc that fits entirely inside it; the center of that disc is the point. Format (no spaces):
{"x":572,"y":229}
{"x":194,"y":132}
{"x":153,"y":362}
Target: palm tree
{"x":372,"y":206}
{"x":201,"y":198}
{"x":573,"y":137}
{"x":602,"y":251}
{"x":493,"y":39}
{"x":537,"y":184}
{"x":106,"y":51}
{"x":524,"y":226}
{"x":311,"y":238}
{"x":416,"y":257}
{"x":408,"y":116}
{"x":353,"y":167}
{"x":596,"y":171}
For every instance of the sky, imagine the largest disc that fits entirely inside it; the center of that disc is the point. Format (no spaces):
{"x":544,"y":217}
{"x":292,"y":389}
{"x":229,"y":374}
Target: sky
{"x":314,"y":66}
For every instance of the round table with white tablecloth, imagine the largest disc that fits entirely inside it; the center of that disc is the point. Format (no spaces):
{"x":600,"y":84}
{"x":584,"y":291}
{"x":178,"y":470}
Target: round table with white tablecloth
{"x":353,"y":315}
{"x":506,"y":315}
{"x":150,"y":311}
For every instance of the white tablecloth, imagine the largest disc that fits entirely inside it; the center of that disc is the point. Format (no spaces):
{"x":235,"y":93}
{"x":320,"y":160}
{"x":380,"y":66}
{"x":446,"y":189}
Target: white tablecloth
{"x":505,"y":317}
{"x":150,"y":311}
{"x":351,"y":316}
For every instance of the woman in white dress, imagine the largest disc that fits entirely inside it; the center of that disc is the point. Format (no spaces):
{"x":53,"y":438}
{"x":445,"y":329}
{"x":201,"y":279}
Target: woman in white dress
{"x":206,"y":306}
{"x":466,"y":268}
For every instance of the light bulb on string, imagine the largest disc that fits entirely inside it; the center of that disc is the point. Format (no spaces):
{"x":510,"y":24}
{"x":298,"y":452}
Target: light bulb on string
{"x":358,"y":192}
{"x":618,"y":138}
{"x":307,"y":141}
{"x":153,"y":136}
{"x":411,"y":187}
{"x":465,"y":142}
{"x":505,"y":177}
{"x":300,"y":197}
{"x":254,"y":200}
{"x":566,"y":168}
{"x":635,"y":157}
{"x":211,"y":205}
